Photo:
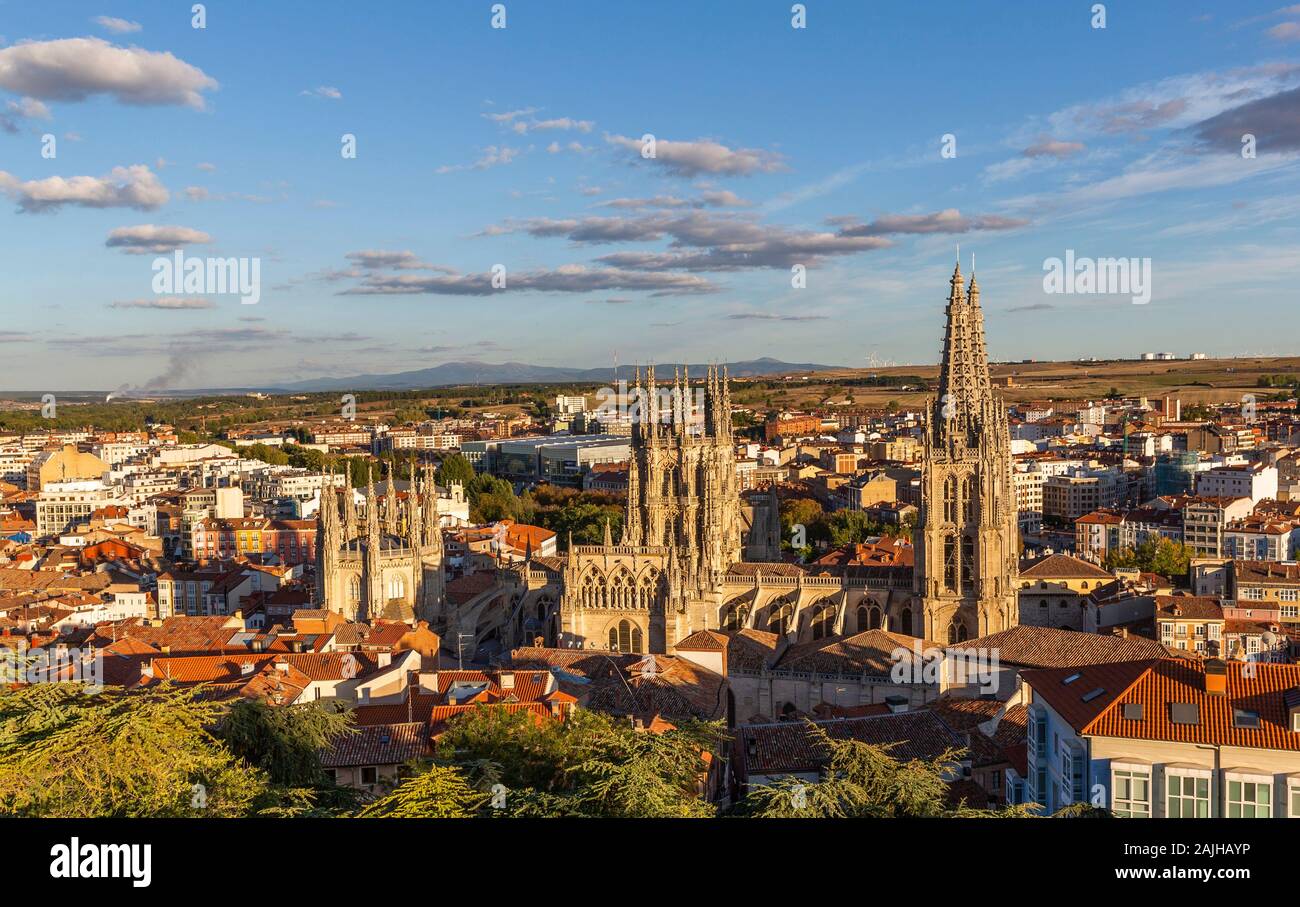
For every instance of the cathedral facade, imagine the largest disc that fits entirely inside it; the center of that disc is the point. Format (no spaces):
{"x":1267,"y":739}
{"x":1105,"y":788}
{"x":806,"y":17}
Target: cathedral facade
{"x":692,"y":556}
{"x":384,"y":562}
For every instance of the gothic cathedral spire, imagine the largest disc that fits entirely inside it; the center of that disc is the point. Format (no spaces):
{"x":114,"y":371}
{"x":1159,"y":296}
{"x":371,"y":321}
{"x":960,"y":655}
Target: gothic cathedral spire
{"x":967,"y":547}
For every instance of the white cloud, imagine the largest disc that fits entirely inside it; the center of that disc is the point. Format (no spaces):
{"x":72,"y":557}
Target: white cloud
{"x":324,"y":91}
{"x":492,"y":156}
{"x":150,"y":239}
{"x":703,"y":156}
{"x":124,"y":187}
{"x":115,"y":25}
{"x":172,"y":303}
{"x":1049,"y":147}
{"x":73,"y":69}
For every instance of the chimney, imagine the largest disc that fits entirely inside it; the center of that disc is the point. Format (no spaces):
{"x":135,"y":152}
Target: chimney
{"x":1216,"y":677}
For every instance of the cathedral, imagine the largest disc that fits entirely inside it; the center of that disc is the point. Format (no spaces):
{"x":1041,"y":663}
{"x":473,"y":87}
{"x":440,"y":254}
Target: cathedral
{"x":694,"y":556}
{"x":386,"y":562}
{"x":967,"y":542}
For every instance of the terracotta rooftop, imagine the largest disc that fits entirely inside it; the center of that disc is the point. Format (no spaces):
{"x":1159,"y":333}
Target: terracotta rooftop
{"x":378,"y":744}
{"x":1062,"y":566}
{"x":1190,"y":607}
{"x":790,"y":746}
{"x":1049,"y":647}
{"x":1156,"y":685}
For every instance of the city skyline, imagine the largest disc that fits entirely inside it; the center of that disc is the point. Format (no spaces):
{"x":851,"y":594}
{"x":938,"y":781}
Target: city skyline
{"x":478,"y":146}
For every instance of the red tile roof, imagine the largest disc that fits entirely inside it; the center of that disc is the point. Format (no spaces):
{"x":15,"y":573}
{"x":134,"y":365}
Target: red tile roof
{"x":1156,"y":684}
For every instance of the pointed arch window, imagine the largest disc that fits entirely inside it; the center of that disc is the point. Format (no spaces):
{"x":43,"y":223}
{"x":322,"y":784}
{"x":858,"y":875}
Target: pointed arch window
{"x":823,"y":622}
{"x":737,"y":618}
{"x":969,"y":499}
{"x":779,"y":622}
{"x":625,"y":637}
{"x":957,"y":631}
{"x":905,"y":622}
{"x":950,"y":500}
{"x":967,"y":563}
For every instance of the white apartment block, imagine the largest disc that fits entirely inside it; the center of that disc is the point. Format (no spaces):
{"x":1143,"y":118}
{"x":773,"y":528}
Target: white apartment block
{"x":62,"y":505}
{"x":1255,"y":481}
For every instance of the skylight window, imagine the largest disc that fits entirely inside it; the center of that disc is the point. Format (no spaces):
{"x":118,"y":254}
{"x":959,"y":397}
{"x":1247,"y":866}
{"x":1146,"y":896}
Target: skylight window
{"x":1184,"y":713}
{"x":1093,"y":694}
{"x":1133,"y":711}
{"x":1245,"y":718}
{"x":1072,"y":678}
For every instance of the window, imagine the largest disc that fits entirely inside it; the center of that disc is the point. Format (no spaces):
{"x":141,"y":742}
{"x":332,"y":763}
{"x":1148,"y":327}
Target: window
{"x":1037,"y":740}
{"x":823,"y":622}
{"x":1249,"y":799}
{"x":1245,"y":718}
{"x":1294,"y":811}
{"x":779,"y":622}
{"x":1188,"y":796}
{"x":369,"y":774}
{"x":1131,"y":793}
{"x":626,"y":637}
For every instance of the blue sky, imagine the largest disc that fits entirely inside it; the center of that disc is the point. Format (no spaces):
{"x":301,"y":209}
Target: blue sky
{"x":520,"y":147}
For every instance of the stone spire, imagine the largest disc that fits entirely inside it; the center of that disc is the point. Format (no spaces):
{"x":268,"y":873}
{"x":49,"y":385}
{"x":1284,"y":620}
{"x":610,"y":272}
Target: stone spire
{"x":350,"y":529}
{"x":966,"y":543}
{"x":724,"y":417}
{"x":327,"y":541}
{"x":432,"y":526}
{"x":390,"y":505}
{"x":374,"y":576}
{"x":964,"y":385}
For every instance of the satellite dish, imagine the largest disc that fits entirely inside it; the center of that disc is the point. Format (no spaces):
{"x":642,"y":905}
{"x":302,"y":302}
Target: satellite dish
{"x":1270,"y":638}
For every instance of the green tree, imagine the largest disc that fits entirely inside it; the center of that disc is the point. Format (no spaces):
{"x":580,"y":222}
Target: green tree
{"x":455,"y":468}
{"x":285,"y":741}
{"x":68,"y":753}
{"x":863,"y":781}
{"x":590,"y":764}
{"x":586,"y":521}
{"x":436,"y":792}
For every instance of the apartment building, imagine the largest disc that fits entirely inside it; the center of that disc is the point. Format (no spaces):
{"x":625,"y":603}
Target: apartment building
{"x":1206,"y":518}
{"x":1190,"y":623}
{"x":1069,"y":497}
{"x":63,"y":464}
{"x":1256,"y":481}
{"x":1262,"y":537}
{"x":1166,"y":738}
{"x":1027,"y":479}
{"x":61,"y":505}
{"x":1263,"y":584}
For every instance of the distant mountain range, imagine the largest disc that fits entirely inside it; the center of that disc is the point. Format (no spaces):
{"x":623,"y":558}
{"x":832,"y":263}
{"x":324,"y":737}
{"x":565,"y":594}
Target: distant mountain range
{"x":470,"y":372}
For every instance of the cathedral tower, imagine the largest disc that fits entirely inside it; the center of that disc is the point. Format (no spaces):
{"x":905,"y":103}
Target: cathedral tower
{"x":967,"y":545}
